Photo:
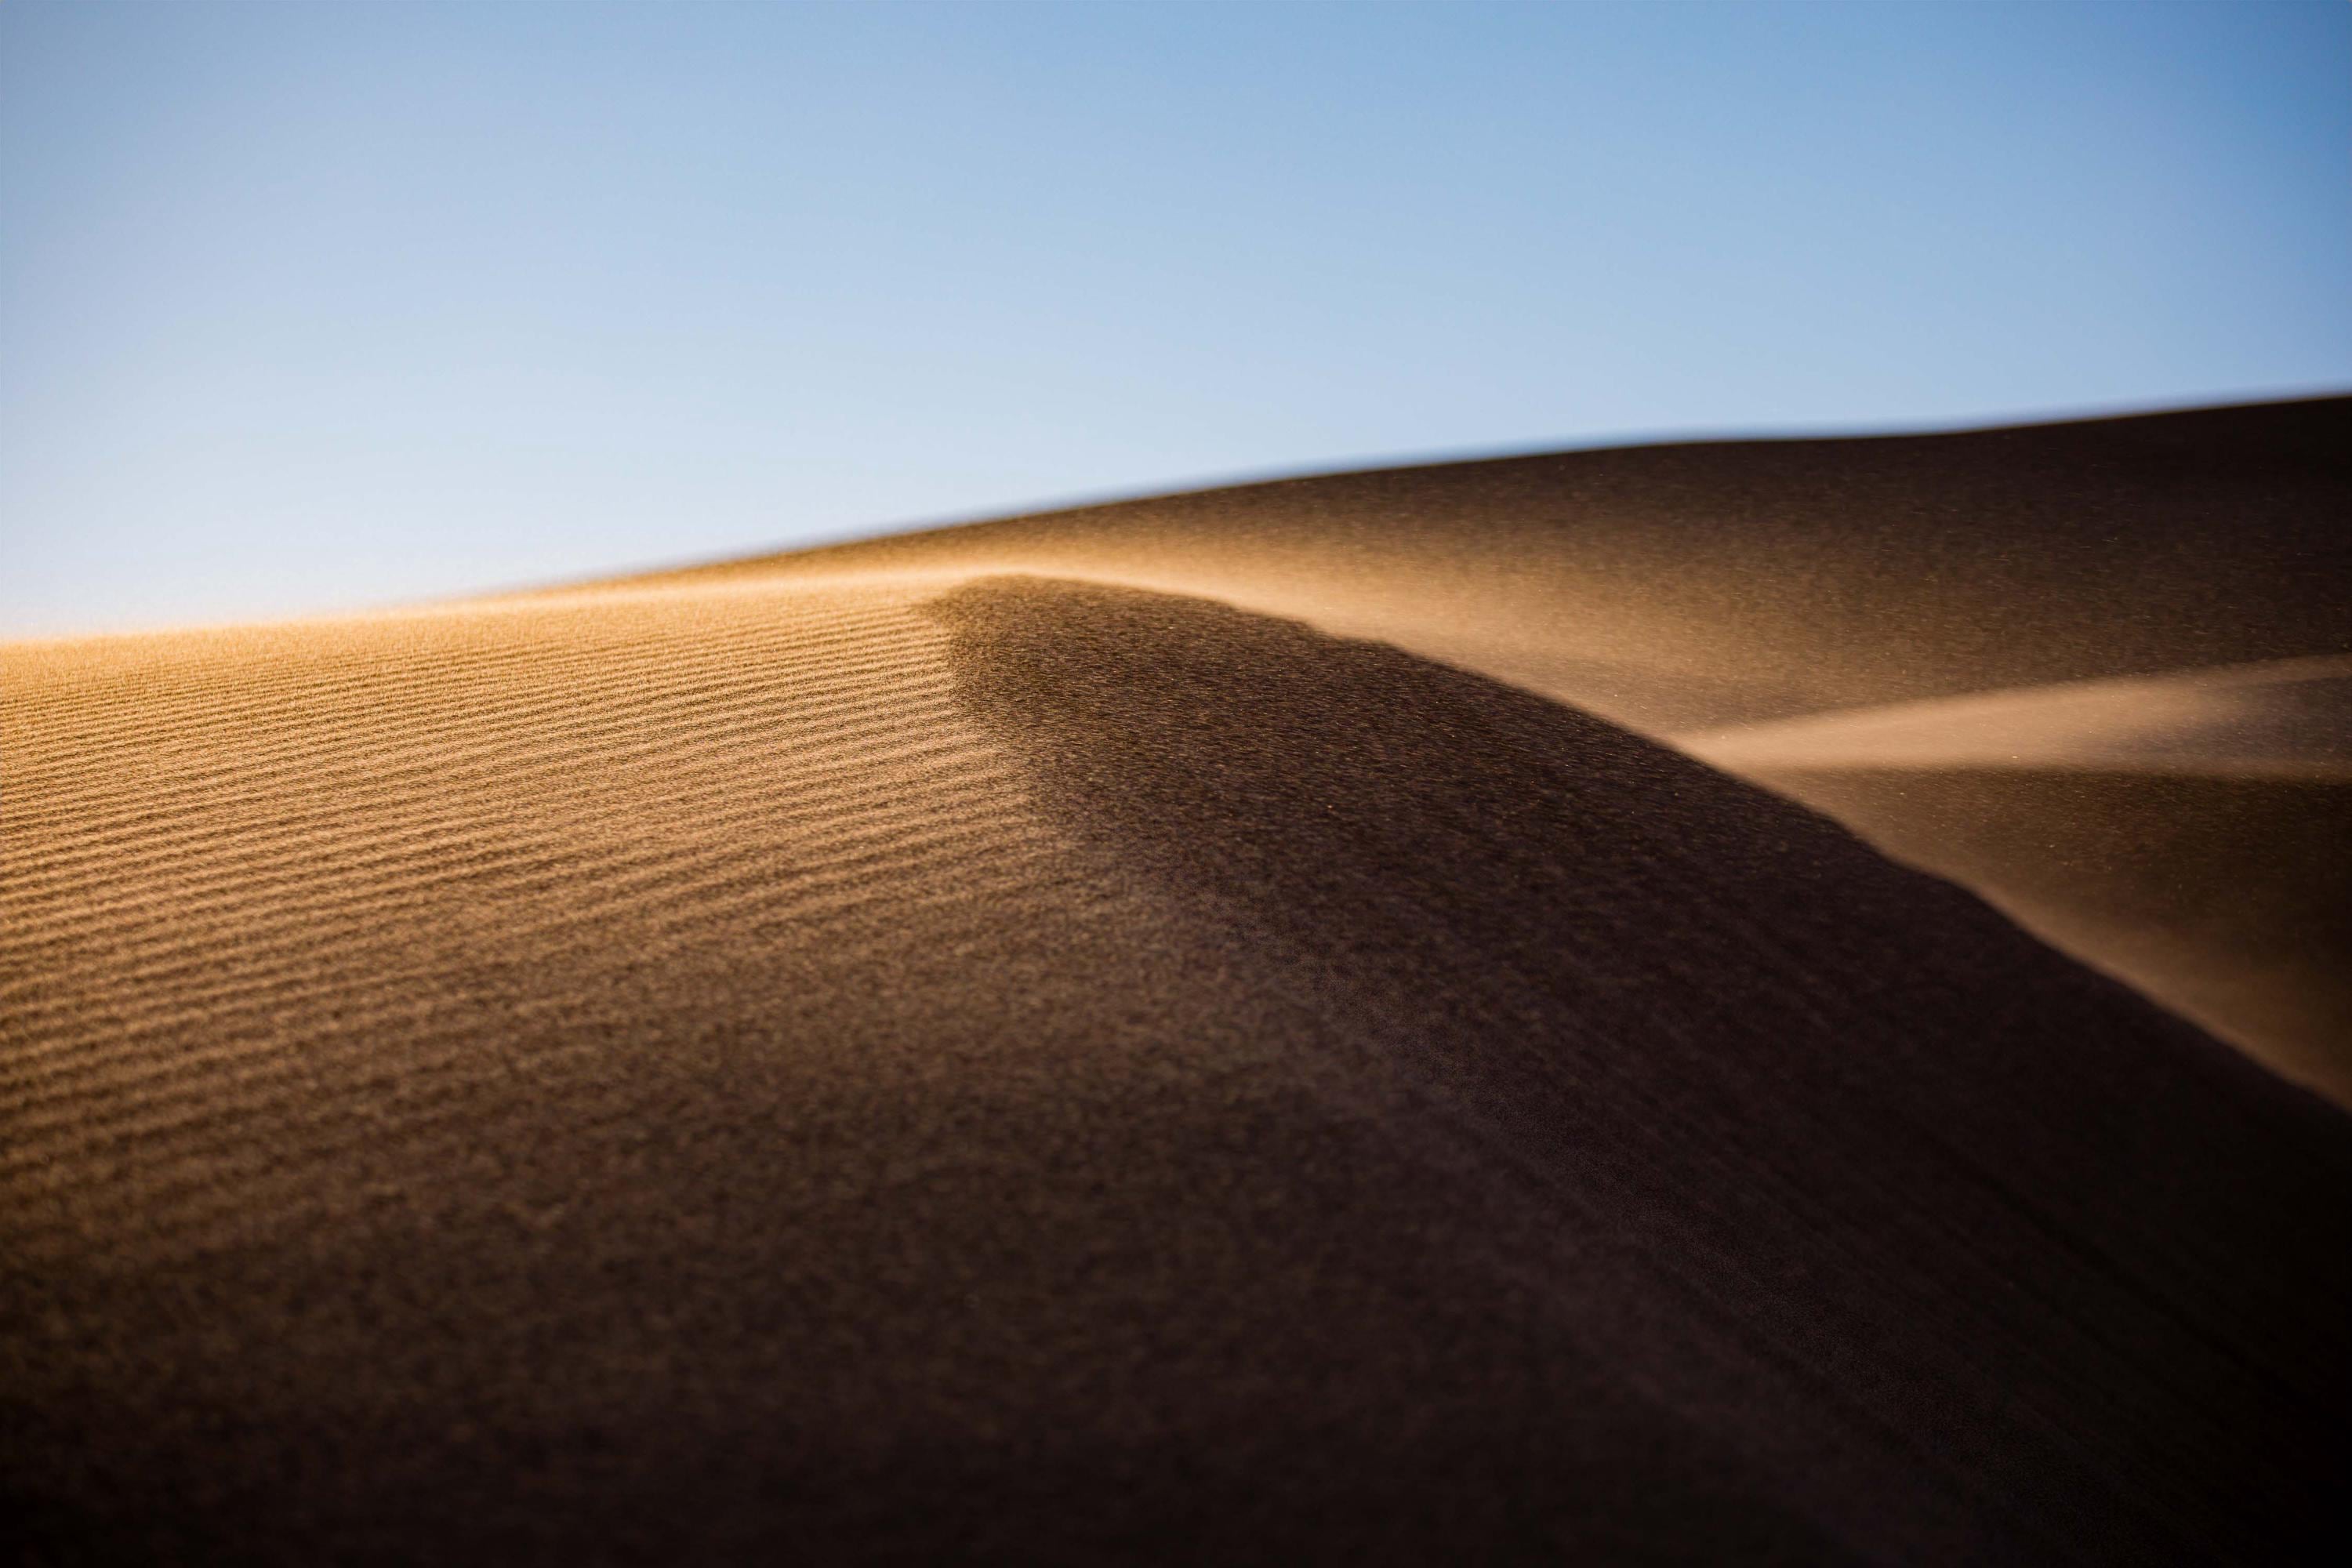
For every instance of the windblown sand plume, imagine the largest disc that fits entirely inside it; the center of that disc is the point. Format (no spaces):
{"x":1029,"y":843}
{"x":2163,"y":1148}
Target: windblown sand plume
{"x":1221,"y":1027}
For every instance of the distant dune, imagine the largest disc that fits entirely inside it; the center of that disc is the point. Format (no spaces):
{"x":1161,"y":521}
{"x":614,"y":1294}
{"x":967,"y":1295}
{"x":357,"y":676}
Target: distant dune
{"x":1685,"y":587}
{"x":1218,"y":1028}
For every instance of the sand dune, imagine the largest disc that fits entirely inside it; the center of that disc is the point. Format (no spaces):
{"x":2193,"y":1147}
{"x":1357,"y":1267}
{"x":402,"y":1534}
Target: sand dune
{"x":899,"y":1054}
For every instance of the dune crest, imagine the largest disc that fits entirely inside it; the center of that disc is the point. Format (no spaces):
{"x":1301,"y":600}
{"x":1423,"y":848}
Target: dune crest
{"x":1676,"y":588}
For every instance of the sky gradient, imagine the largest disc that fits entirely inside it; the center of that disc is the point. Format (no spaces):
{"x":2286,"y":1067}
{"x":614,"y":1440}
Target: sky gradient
{"x":304,"y":307}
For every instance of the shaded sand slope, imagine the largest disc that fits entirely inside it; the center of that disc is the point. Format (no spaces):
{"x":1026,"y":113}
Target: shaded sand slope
{"x":1047,"y":1072}
{"x":1687,"y":588}
{"x":2192,"y":832}
{"x":2227,"y":899}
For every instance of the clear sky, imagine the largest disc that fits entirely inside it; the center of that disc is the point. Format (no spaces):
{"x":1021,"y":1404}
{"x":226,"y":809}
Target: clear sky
{"x":312,"y":306}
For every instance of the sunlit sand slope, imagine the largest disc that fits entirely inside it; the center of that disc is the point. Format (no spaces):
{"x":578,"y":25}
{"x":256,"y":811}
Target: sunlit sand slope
{"x":286,"y":900}
{"x":1025,"y":1069}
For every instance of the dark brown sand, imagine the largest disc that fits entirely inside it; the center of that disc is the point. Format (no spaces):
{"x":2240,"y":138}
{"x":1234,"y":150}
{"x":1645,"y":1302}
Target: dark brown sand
{"x":1025,"y":1071}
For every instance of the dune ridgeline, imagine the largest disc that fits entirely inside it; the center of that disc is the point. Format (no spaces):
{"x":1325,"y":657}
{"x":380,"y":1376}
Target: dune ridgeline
{"x":1759,"y":1001}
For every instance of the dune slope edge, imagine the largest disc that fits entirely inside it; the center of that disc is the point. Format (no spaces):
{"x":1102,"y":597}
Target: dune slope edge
{"x":2185,"y":832}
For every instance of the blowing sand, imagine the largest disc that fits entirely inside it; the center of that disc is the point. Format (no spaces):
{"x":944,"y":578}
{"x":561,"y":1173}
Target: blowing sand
{"x":920,"y":1051}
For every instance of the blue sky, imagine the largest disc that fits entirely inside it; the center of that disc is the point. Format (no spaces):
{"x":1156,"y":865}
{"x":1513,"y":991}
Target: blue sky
{"x":304,"y":307}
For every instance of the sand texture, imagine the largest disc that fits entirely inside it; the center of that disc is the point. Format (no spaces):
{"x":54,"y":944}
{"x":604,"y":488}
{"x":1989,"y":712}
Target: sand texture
{"x":1218,"y":1028}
